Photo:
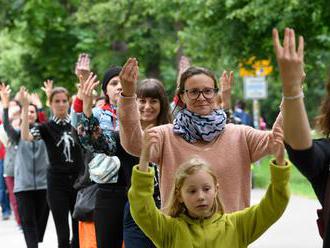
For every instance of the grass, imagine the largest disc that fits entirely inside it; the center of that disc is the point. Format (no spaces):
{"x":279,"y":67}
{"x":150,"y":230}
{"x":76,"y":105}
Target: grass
{"x":299,"y":185}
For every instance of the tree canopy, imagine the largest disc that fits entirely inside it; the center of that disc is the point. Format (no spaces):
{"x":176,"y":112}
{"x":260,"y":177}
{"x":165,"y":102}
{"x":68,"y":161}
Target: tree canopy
{"x":41,"y":39}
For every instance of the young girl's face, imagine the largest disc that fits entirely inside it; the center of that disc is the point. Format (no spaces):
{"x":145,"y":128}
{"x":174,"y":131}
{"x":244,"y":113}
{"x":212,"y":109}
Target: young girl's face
{"x":60,"y":105}
{"x":198,"y":193}
{"x":149,"y":108}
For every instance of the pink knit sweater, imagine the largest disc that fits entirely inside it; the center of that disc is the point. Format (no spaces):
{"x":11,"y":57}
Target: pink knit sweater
{"x":230,"y":154}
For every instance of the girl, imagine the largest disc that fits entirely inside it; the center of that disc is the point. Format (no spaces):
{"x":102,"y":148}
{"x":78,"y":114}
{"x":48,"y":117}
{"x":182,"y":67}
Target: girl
{"x":65,"y":158}
{"x":31,"y":165}
{"x":200,"y":129}
{"x":195,"y":217}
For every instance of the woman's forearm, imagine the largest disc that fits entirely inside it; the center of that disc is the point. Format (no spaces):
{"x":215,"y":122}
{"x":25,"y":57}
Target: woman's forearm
{"x":25,"y":133}
{"x":296,"y":125}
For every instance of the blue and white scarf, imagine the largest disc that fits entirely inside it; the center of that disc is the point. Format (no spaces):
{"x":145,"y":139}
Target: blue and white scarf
{"x":193,"y":127}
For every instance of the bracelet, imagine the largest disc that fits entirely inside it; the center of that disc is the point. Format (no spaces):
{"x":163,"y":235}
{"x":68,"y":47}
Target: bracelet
{"x":300,"y":95}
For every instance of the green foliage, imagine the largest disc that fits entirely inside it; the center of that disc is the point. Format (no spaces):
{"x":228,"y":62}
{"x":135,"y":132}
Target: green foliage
{"x":298,"y":183}
{"x":41,"y":39}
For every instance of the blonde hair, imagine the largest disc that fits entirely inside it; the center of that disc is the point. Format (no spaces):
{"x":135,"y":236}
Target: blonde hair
{"x":175,"y":207}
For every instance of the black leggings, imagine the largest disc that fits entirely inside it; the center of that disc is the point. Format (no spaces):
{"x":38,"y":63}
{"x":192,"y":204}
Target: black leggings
{"x":108,"y":216}
{"x":61,"y":199}
{"x":33,"y":210}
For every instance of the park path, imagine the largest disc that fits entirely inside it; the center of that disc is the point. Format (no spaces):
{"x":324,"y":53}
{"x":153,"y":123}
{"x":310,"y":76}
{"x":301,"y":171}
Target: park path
{"x":296,"y":229}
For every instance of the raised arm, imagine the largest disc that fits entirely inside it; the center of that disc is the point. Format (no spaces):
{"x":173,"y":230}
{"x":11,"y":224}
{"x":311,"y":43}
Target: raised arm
{"x":13,"y":134}
{"x":90,"y":133}
{"x":149,"y":138}
{"x":47,"y":88}
{"x":150,"y":219}
{"x":82,"y":69}
{"x":35,"y":99}
{"x":130,"y":128}
{"x":254,"y":221}
{"x":225,"y":85}
{"x":87,"y":88}
{"x":24,"y":100}
{"x":290,"y":60}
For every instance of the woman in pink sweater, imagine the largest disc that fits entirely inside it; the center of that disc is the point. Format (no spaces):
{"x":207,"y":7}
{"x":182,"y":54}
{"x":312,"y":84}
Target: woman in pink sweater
{"x":199,"y":129}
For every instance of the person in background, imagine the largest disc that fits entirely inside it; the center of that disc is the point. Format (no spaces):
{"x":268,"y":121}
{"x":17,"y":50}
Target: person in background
{"x":31,"y":163}
{"x":14,"y":115}
{"x":240,"y":115}
{"x":96,"y":133}
{"x":4,"y":198}
{"x":65,"y":157}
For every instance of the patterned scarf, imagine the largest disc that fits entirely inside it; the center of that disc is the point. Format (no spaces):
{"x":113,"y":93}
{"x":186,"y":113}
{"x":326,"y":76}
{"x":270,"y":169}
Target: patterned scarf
{"x":193,"y":127}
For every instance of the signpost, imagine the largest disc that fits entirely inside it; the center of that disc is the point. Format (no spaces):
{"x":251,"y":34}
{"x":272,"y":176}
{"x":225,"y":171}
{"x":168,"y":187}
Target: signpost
{"x":255,"y":84}
{"x":255,"y":88}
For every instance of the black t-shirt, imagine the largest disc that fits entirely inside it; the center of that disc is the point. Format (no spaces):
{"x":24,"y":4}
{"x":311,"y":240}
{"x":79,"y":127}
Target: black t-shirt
{"x":64,"y":151}
{"x":313,"y":163}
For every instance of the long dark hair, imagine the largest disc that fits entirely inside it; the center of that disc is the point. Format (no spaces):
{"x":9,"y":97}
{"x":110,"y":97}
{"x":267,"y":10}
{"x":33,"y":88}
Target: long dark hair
{"x":36,"y":109}
{"x":154,"y":88}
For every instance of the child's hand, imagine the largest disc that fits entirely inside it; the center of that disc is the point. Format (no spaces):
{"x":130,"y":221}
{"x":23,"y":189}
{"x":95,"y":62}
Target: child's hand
{"x":149,"y":138}
{"x":278,"y":145}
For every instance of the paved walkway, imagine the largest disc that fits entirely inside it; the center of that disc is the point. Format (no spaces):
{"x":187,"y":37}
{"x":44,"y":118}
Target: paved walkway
{"x":296,"y":229}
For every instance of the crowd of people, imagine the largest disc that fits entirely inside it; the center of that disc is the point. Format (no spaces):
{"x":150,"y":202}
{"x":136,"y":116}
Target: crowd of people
{"x":133,"y":170}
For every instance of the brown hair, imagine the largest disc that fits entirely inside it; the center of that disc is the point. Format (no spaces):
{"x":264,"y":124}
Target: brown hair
{"x":58,"y":90}
{"x":323,"y":120}
{"x":192,"y":71}
{"x":154,"y":88}
{"x":175,"y":207}
{"x":36,"y":110}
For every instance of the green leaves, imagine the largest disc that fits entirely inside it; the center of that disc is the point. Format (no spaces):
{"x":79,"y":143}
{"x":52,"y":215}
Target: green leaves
{"x":41,"y":39}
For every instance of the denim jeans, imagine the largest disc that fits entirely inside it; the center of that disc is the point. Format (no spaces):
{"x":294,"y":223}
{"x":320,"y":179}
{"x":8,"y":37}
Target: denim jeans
{"x":4,"y":200}
{"x":133,"y":235}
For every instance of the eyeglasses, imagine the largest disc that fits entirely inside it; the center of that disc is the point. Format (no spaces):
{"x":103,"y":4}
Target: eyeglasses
{"x":208,"y":93}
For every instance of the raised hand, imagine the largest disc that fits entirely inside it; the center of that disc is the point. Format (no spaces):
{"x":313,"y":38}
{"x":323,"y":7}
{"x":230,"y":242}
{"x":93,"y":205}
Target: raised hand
{"x":149,"y":138}
{"x":82,"y":69}
{"x":129,"y":76}
{"x":184,"y":63}
{"x":35,"y":99}
{"x":225,"y":84}
{"x":291,"y":61}
{"x":48,"y":87}
{"x":278,"y":151}
{"x":86,"y":89}
{"x":277,"y":143}
{"x":23,"y":97}
{"x":5,"y":95}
